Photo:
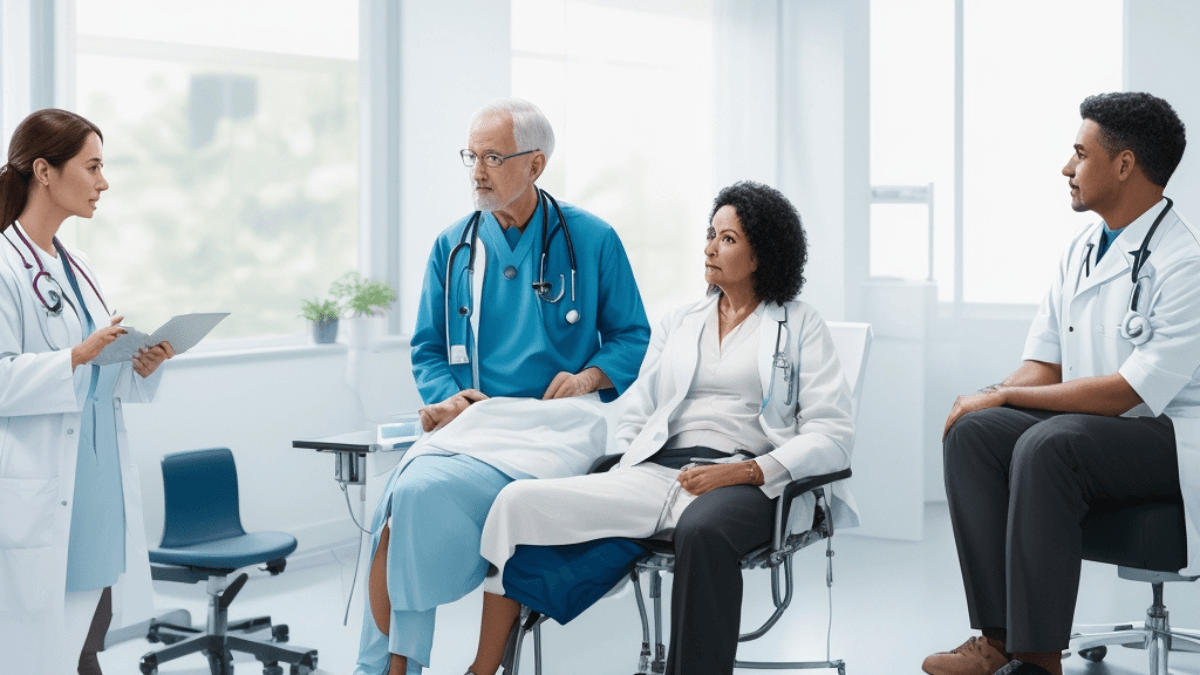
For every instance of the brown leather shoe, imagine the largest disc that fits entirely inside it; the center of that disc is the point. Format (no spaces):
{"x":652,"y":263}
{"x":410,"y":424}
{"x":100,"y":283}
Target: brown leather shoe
{"x":977,"y":656}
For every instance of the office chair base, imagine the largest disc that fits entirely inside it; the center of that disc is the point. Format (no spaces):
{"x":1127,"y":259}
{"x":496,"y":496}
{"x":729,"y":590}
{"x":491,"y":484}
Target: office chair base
{"x":221,"y":638}
{"x":219,"y":651}
{"x":178,"y":617}
{"x":1155,"y":636}
{"x":792,"y":665}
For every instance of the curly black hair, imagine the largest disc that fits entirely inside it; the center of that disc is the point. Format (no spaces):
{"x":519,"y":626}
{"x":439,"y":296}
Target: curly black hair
{"x":776,"y":236}
{"x":1142,"y":123}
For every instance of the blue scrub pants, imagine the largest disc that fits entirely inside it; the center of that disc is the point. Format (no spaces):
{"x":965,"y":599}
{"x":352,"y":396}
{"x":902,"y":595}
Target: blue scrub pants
{"x":438,"y":505}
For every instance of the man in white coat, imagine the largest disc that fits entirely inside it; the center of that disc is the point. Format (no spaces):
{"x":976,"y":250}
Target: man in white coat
{"x":1105,"y":405}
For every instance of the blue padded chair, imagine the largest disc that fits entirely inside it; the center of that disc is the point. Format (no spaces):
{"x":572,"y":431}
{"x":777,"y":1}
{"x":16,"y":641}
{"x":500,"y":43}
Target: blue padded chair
{"x":1147,"y":542}
{"x":203,"y":540}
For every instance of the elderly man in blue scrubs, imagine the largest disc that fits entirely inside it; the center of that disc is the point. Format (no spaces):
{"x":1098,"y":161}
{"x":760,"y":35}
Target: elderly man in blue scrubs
{"x":557,"y":314}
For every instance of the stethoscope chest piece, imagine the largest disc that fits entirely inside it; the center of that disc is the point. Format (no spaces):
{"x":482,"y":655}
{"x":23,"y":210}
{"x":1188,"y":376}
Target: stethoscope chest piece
{"x":573,"y":316}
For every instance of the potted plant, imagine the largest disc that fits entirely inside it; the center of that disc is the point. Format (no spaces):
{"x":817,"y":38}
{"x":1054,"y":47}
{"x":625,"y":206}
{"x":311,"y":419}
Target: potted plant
{"x":360,"y":296}
{"x":361,"y":299}
{"x":324,"y":317}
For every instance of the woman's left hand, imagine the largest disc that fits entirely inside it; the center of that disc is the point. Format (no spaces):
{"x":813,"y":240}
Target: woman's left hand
{"x":146,"y":361}
{"x":700,"y":479}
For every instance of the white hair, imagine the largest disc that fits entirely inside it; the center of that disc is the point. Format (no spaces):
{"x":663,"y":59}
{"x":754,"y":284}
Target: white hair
{"x":530,"y":127}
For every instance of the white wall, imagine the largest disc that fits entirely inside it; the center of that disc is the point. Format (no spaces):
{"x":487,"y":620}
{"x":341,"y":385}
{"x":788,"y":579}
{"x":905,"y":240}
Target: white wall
{"x":1162,"y":56}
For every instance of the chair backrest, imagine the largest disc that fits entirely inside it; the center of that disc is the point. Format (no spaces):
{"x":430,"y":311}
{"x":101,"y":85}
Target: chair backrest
{"x":201,"y":497}
{"x":853,"y":344}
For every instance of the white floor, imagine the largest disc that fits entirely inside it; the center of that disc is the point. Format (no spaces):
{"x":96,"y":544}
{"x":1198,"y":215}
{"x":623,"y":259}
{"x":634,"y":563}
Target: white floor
{"x":894,"y":603}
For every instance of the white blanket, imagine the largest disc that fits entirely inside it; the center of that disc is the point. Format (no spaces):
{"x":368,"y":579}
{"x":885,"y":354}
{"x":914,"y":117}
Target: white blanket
{"x":524,"y":437}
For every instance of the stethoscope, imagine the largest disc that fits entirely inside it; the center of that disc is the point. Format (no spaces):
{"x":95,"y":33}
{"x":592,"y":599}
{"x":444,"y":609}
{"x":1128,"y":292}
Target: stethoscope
{"x":457,"y":351}
{"x":781,"y":367}
{"x":1136,"y":327}
{"x":47,"y":290}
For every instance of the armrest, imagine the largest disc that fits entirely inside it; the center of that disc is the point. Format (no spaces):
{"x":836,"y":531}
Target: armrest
{"x":795,"y":489}
{"x":799,"y":487}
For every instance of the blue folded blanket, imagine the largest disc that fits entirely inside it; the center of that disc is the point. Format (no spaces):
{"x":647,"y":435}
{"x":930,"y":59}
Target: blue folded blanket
{"x":562,"y":581}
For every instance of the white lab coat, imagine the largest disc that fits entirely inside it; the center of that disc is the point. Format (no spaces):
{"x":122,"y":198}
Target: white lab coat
{"x":1078,"y":323}
{"x":39,"y":425}
{"x":812,"y":436}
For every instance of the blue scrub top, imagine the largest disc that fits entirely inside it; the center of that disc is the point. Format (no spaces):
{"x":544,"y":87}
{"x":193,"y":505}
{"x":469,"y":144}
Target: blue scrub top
{"x":524,"y":342}
{"x":96,"y":548}
{"x":96,"y":552}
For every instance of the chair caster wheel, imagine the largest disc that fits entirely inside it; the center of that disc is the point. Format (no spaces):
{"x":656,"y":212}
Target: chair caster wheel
{"x":1094,"y":654}
{"x":149,"y":664}
{"x":220,"y":664}
{"x":306,"y":666}
{"x":279,"y":633}
{"x":273,"y":669}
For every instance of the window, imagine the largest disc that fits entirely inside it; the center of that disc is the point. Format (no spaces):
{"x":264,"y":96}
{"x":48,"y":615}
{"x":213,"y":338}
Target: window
{"x":1026,"y":66}
{"x":629,"y":90}
{"x":912,"y":139}
{"x":231,"y":147}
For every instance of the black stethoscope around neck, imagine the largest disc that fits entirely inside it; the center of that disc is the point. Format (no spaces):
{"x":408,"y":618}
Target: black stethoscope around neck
{"x":541,"y":287}
{"x":469,"y":240}
{"x":1135,"y":326}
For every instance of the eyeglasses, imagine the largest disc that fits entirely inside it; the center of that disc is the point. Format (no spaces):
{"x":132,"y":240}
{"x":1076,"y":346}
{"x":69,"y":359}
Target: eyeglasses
{"x":491,"y":159}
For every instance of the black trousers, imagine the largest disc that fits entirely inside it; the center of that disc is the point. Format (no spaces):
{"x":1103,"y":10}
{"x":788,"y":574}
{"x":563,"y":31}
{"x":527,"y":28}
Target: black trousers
{"x":713,"y":534}
{"x":1019,"y":483}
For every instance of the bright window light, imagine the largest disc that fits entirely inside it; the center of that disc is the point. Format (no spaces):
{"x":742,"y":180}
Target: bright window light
{"x":1023,"y":80}
{"x":231,"y":147}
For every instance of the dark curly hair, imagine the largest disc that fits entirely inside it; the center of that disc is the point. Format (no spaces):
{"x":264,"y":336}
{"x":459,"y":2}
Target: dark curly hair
{"x":1142,"y":123}
{"x":776,"y":236}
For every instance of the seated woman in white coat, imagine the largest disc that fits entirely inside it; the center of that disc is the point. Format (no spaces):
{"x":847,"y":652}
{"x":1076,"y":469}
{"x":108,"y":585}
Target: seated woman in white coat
{"x":748,"y":378}
{"x":72,"y":547}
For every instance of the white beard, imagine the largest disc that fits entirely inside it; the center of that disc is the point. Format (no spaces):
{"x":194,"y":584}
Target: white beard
{"x":484,"y":201}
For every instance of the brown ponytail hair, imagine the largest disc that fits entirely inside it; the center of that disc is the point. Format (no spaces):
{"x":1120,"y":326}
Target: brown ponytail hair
{"x":50,"y":134}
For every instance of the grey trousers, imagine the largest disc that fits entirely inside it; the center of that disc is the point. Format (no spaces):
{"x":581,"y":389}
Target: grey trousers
{"x":1019,"y":483}
{"x":713,"y":534}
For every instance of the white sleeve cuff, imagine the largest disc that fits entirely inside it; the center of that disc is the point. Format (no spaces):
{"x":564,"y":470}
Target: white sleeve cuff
{"x":1045,"y":351}
{"x":1156,"y":386}
{"x":775,"y":476}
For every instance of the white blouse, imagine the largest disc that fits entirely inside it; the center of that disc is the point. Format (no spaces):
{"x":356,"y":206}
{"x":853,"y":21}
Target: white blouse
{"x":722,"y":406}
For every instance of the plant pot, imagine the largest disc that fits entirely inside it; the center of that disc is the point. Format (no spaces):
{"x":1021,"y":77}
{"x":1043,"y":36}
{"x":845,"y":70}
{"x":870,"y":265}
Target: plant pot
{"x":362,"y":332}
{"x":324,"y":332}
